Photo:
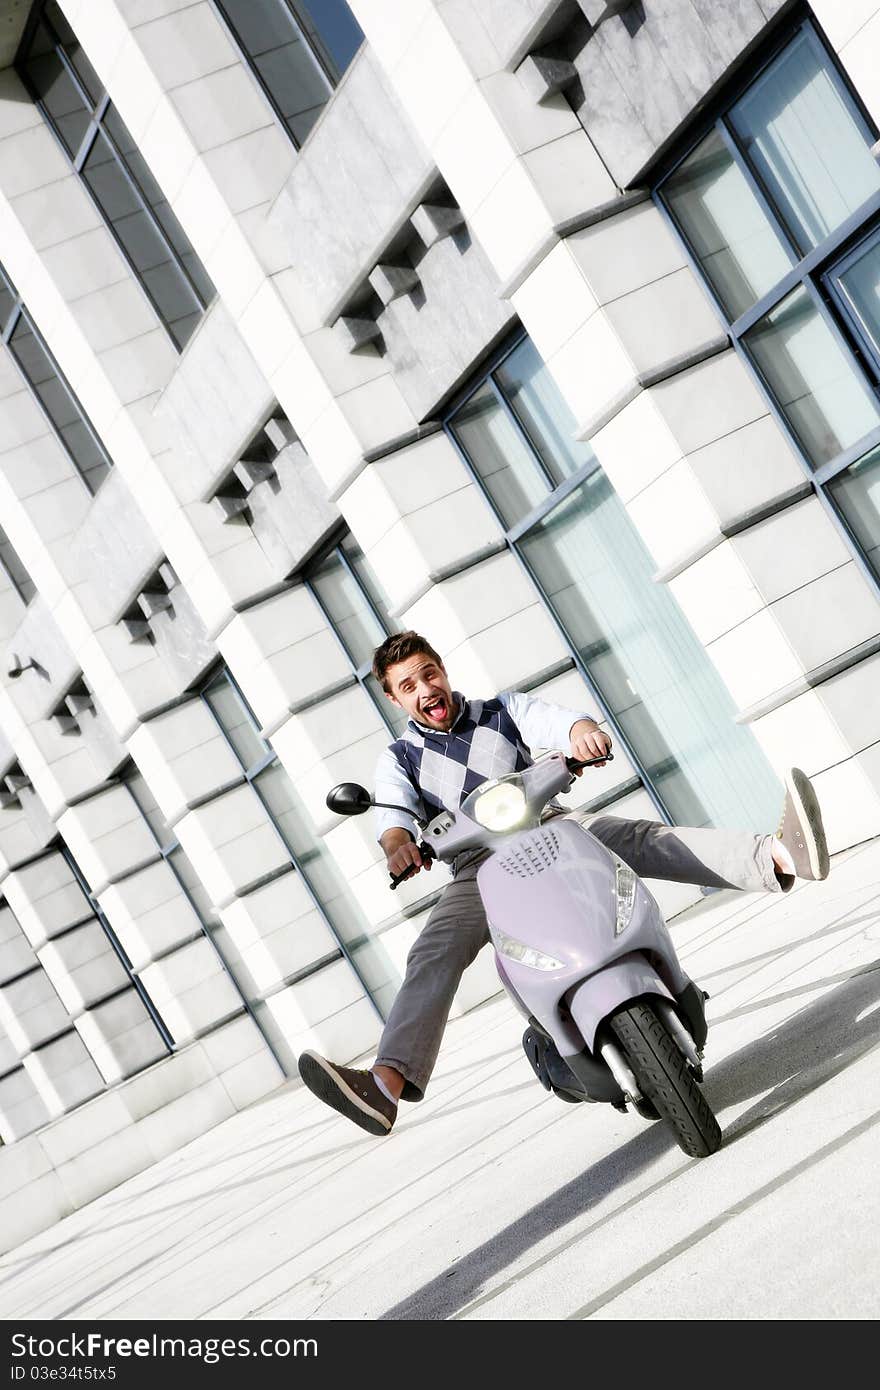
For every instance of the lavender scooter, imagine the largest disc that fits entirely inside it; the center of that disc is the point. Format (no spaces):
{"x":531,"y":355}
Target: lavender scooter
{"x":582,"y":950}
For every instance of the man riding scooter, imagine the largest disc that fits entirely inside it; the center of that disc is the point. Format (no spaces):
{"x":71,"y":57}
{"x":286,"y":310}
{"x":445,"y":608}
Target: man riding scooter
{"x":452,"y":745}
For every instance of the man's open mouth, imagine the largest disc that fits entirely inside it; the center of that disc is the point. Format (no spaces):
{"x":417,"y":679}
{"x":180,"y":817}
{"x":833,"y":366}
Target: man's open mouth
{"x":435,"y":709}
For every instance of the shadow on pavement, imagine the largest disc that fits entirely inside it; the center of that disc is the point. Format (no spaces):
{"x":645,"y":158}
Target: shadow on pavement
{"x":800,"y":1055}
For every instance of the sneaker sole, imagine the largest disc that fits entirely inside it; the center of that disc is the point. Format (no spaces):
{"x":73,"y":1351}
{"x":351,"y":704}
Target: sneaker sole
{"x":329,"y":1087}
{"x":807,"y":807}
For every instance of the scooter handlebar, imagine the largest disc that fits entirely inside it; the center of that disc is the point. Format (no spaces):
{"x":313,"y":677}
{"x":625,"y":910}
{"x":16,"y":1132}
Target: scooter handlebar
{"x":573,"y":763}
{"x":427,"y":854}
{"x":426,"y":851}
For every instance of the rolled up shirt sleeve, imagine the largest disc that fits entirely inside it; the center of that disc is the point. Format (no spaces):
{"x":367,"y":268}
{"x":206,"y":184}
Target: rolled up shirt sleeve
{"x":392,"y":784}
{"x":541,"y":724}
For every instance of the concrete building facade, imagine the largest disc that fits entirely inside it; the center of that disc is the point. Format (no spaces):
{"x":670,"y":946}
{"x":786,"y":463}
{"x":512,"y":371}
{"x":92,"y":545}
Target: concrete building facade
{"x":547,"y":327}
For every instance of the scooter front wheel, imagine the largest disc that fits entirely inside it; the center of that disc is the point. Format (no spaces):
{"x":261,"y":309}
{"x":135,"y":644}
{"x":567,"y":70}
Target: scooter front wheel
{"x":666,"y":1080}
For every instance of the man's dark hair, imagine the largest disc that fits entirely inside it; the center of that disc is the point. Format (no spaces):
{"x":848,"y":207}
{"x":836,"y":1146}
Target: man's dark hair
{"x":399,"y":648}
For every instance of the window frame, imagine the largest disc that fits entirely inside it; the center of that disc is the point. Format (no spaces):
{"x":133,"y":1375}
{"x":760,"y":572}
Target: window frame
{"x":18,"y":312}
{"x":16,"y":585}
{"x":250,"y":776}
{"x":513,"y":535}
{"x":119,"y":950}
{"x":811,"y":271}
{"x":96,"y":128}
{"x":167,"y":852}
{"x":360,"y":671}
{"x":315,"y":48}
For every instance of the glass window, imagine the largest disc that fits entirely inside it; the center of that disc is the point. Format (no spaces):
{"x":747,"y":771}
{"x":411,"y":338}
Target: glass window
{"x":653,"y":675}
{"x":148,"y":251}
{"x":507,"y":467}
{"x":234,"y":718}
{"x":59,"y":403}
{"x":322,"y":876}
{"x":164,"y":1039}
{"x":50,"y":388}
{"x":807,"y":141}
{"x":812,"y":378}
{"x":357,"y":626}
{"x":627,"y":634}
{"x":15,"y":570}
{"x":103,"y":153}
{"x":779,"y":204}
{"x":533,"y":396}
{"x":297,"y":49}
{"x":741,"y":253}
{"x":357,"y":608}
{"x":333,"y":30}
{"x":60,"y":95}
{"x":857,"y":493}
{"x":857,"y":281}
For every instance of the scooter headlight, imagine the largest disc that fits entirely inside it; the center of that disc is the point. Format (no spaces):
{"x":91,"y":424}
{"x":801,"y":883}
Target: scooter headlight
{"x":626,"y":897}
{"x":526,"y":955}
{"x":501,"y":806}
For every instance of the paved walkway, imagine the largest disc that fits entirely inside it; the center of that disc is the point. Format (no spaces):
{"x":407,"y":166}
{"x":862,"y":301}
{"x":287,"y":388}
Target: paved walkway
{"x":494,"y":1200}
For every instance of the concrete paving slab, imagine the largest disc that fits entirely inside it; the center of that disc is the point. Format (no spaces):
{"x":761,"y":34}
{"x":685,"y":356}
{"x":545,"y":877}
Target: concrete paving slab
{"x":492,"y":1200}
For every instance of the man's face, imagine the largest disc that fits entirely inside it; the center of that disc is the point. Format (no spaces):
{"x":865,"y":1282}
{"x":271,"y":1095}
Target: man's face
{"x":421,"y":687}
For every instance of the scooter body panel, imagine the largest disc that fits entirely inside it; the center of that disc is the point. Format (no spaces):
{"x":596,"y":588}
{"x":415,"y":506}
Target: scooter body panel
{"x":554,"y":888}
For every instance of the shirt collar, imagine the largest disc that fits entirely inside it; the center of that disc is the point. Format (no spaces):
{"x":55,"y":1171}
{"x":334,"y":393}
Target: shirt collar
{"x":461,"y":707}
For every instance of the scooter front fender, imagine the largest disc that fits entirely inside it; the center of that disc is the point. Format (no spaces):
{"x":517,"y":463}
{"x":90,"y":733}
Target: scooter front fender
{"x":627,"y":978}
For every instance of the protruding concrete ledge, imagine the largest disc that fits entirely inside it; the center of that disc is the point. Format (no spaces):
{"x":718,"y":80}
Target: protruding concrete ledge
{"x":440,"y":576}
{"x":300,"y":706}
{"x":685,"y":360}
{"x":393,"y":446}
{"x":743,"y":522}
{"x":542,"y":76}
{"x":549,"y":673}
{"x":674,"y":366}
{"x":567,"y":228}
{"x":810,"y":680}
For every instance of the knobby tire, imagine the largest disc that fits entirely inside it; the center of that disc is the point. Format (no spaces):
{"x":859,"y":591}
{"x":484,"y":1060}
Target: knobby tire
{"x":665,"y":1079}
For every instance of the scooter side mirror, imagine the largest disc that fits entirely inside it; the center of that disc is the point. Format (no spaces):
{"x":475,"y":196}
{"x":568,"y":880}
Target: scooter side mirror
{"x":349,"y":799}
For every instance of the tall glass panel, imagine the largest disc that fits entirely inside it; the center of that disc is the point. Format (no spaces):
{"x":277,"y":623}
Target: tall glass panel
{"x":741,"y":253}
{"x":152,"y":193}
{"x":354,"y":621}
{"x":496,"y":449}
{"x":57,"y":400}
{"x":148,"y":251}
{"x":236,"y":722}
{"x":57,"y":90}
{"x":651,"y":671}
{"x":815,"y":383}
{"x":858,"y":282}
{"x":308,"y":854}
{"x":104,"y":155}
{"x":807,"y":141}
{"x":282,"y":58}
{"x":369,"y":580}
{"x":334,"y":31}
{"x":21,"y":580}
{"x":72,"y":47}
{"x":857,"y":494}
{"x":540,"y":408}
{"x":322,"y":873}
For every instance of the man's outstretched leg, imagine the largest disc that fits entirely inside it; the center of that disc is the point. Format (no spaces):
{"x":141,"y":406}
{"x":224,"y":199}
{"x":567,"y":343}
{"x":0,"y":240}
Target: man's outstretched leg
{"x":726,"y":858}
{"x":448,"y":942}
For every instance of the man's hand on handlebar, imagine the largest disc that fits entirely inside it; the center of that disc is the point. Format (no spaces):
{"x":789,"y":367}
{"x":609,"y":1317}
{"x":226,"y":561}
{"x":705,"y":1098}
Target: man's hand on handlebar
{"x":588,"y":741}
{"x":407,"y":857}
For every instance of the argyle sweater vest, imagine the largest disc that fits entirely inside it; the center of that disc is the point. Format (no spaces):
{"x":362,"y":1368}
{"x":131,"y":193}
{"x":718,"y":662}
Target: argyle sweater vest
{"x":484,"y":743}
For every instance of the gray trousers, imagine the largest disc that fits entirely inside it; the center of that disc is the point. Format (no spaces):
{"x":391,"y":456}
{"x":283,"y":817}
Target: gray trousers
{"x":457,"y":929}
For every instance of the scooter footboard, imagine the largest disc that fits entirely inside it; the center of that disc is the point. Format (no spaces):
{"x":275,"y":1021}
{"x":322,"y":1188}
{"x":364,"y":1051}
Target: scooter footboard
{"x":624,"y":979}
